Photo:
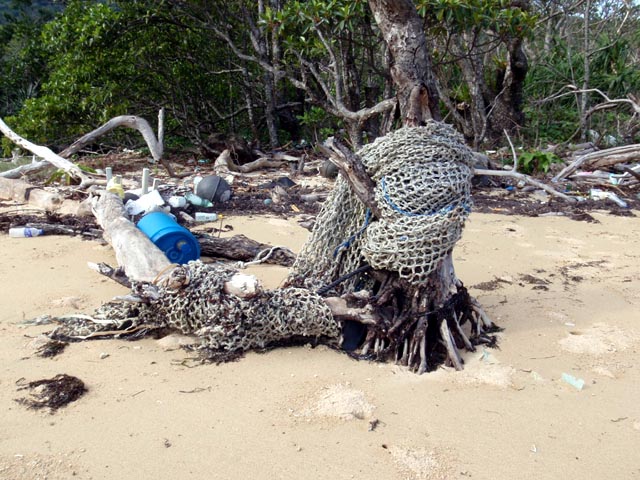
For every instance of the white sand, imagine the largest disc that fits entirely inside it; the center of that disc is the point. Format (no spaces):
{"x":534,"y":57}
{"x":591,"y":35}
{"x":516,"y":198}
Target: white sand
{"x":306,"y":413}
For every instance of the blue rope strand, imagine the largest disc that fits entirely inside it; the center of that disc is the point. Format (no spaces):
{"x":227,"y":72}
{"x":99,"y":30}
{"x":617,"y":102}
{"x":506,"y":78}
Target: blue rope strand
{"x":441,"y":211}
{"x":347,"y":243}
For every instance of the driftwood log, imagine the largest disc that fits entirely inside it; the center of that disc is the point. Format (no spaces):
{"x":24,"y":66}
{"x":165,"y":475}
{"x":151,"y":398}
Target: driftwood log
{"x":140,"y":258}
{"x":601,"y":159}
{"x":243,"y":249}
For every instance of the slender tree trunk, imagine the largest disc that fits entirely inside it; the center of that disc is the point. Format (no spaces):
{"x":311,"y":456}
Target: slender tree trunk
{"x":260,"y":44}
{"x":411,"y":70}
{"x":584,"y":97}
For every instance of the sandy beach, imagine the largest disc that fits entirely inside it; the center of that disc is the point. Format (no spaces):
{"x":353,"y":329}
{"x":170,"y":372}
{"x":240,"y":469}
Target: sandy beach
{"x":566,"y":292}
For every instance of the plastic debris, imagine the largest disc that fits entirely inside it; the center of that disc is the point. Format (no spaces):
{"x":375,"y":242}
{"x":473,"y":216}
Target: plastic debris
{"x":206,"y":217}
{"x":145,"y":203}
{"x":576,"y":383}
{"x":597,"y":194}
{"x":113,"y":186}
{"x":197,"y":201}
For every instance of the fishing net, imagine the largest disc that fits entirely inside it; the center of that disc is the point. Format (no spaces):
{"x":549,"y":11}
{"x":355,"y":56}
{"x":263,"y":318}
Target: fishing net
{"x":192,"y":299}
{"x":423,"y":179}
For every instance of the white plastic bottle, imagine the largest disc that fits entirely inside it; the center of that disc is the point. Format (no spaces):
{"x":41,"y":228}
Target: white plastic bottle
{"x":206,"y":217}
{"x":25,"y":232}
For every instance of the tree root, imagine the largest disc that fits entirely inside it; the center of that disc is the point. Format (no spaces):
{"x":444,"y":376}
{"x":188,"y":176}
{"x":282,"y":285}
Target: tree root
{"x":422,"y":339}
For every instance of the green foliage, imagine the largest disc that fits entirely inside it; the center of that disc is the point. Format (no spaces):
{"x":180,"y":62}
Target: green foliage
{"x":537,"y":161}
{"x":114,"y":57}
{"x":319,"y":124}
{"x":446,"y":17}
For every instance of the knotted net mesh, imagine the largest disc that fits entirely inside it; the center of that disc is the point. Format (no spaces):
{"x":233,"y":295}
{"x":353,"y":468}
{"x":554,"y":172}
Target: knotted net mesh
{"x":193,"y":300}
{"x":422,"y":179}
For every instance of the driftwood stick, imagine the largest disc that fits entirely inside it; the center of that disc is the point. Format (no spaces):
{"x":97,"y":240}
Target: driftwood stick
{"x":617,"y":155}
{"x":224,"y":163}
{"x":526,"y":179}
{"x":341,"y":311}
{"x":241,"y":248}
{"x":450,"y":345}
{"x":72,"y":169}
{"x":354,"y":172}
{"x":115,"y":274}
{"x":140,"y":258}
{"x":465,"y":339}
{"x":27,"y":169}
{"x":423,"y":356}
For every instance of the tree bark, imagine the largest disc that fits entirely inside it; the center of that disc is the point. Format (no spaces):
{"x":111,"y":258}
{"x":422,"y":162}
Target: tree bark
{"x":243,"y":249}
{"x":411,"y":70}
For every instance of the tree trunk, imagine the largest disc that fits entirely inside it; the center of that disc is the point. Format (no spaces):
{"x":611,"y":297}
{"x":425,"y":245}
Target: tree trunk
{"x":507,"y":114}
{"x":411,"y":70}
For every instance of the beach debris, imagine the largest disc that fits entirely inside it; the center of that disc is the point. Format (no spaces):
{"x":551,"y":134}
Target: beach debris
{"x":115,"y":186}
{"x":144,"y":203}
{"x":52,"y":393}
{"x":51,"y":348}
{"x":197,"y":201}
{"x":577,"y":383}
{"x":597,"y":194}
{"x":25,"y":232}
{"x":206,"y":217}
{"x":213,"y":188}
{"x":177,"y":201}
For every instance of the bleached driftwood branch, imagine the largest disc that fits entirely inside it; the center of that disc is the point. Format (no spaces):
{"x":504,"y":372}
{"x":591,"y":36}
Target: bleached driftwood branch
{"x":224,"y":164}
{"x":140,"y":258}
{"x":72,"y":169}
{"x":601,"y":158}
{"x":513,"y":173}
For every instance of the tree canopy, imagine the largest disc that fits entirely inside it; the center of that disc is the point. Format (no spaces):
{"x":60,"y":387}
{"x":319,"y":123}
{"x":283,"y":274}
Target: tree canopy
{"x":276,"y":71}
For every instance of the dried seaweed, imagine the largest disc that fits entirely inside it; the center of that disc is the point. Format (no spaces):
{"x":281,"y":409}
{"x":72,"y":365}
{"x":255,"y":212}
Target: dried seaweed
{"x":51,"y":348}
{"x":52,"y":393}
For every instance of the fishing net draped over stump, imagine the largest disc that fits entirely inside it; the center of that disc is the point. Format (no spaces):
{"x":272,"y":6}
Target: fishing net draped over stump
{"x":423,"y":178}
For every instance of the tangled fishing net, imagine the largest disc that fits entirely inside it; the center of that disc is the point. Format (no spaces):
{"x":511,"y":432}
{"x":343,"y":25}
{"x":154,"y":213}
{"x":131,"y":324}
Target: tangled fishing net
{"x":423,"y":180}
{"x":192,"y":299}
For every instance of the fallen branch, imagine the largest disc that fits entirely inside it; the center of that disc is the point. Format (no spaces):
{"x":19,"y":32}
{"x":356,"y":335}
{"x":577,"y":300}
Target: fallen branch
{"x":600,"y":159}
{"x":526,"y":179}
{"x":513,"y":173}
{"x":72,"y":169}
{"x":354,"y":172}
{"x":155,"y":145}
{"x":241,"y":248}
{"x":22,"y":170}
{"x":224,"y":164}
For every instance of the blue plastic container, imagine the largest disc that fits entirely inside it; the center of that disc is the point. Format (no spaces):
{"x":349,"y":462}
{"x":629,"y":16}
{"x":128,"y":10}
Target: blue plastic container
{"x":177,"y":243}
